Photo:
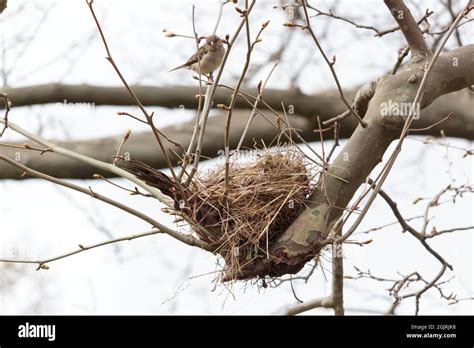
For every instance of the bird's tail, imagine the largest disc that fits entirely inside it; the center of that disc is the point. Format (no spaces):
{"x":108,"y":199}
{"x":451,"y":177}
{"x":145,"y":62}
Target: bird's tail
{"x":178,"y":67}
{"x":150,"y":176}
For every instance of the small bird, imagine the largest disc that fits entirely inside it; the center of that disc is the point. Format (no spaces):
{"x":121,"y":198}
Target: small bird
{"x":210,"y":56}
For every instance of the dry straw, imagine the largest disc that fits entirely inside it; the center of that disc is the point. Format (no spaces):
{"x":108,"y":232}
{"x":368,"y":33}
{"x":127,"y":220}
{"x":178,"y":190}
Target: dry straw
{"x":262,"y":200}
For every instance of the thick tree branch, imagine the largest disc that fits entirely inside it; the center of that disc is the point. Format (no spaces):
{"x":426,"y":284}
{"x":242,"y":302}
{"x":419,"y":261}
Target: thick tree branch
{"x":461,"y":125}
{"x":364,"y":150}
{"x":168,"y":97}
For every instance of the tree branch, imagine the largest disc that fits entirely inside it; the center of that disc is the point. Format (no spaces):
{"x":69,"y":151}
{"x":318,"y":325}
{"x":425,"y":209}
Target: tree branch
{"x":107,"y":167}
{"x":322,"y":302}
{"x":187,"y":239}
{"x":409,"y":27}
{"x":364,"y":150}
{"x":330,"y":65}
{"x":42,"y":264}
{"x":461,"y":125}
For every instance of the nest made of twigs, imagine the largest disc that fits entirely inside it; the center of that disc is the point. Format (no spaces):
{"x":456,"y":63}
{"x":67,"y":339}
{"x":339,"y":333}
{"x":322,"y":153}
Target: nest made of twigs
{"x":261,"y":201}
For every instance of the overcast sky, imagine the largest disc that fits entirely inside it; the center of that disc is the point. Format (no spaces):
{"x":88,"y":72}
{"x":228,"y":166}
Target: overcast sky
{"x":57,"y":41}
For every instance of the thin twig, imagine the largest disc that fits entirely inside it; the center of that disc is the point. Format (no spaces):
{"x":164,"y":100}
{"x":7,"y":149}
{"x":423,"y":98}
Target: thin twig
{"x":260,"y":88}
{"x":209,"y":96}
{"x":410,"y":229}
{"x":92,"y":162}
{"x":378,"y":32}
{"x":187,"y":239}
{"x":149,"y":117}
{"x":250,"y":47}
{"x":42,"y":264}
{"x":330,"y":64}
{"x":7,"y":104}
{"x":444,"y":119}
{"x":124,"y":139}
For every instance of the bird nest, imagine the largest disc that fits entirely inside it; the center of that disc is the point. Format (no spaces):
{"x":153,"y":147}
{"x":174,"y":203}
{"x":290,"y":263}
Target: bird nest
{"x":243,"y":219}
{"x":262,"y":199}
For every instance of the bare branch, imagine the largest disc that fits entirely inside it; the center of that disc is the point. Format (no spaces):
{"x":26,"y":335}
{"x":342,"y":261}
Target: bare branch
{"x":42,"y":264}
{"x":406,"y":227}
{"x":322,"y":302}
{"x":409,"y":27}
{"x":7,"y":105}
{"x":149,"y":118}
{"x":187,"y":239}
{"x":209,"y":98}
{"x":378,"y":32}
{"x":92,"y":162}
{"x":230,"y":107}
{"x":336,"y":299}
{"x":261,"y":89}
{"x":330,"y":65}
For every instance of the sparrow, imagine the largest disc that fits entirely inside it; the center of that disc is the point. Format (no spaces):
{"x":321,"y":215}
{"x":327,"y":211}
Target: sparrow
{"x":210,"y":56}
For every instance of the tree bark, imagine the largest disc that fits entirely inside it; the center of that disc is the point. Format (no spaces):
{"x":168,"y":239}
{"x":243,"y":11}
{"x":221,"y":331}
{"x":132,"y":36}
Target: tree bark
{"x":363,"y":151}
{"x":168,"y":97}
{"x":142,"y":145}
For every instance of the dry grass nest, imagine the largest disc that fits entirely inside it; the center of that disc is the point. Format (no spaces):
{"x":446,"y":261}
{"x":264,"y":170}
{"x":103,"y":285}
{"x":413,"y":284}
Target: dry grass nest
{"x":262,"y":200}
